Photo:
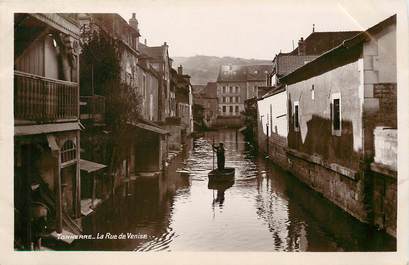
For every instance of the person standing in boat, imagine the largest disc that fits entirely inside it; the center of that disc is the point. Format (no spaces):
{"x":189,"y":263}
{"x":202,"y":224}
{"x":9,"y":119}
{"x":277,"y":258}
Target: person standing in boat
{"x":220,"y":155}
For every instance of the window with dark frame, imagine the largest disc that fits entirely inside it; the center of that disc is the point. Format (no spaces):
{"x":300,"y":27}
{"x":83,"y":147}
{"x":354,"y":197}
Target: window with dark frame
{"x":68,"y":151}
{"x":336,"y":121}
{"x":296,"y":119}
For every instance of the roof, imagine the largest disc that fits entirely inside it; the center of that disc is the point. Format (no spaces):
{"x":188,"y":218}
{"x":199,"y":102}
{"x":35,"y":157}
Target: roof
{"x":148,"y":126}
{"x":243,"y":72}
{"x":45,"y":128}
{"x":258,"y":72}
{"x":154,"y":52}
{"x":319,"y":42}
{"x":90,"y":166}
{"x":272,"y":91}
{"x":198,"y":89}
{"x":345,"y":52}
{"x":286,"y":63}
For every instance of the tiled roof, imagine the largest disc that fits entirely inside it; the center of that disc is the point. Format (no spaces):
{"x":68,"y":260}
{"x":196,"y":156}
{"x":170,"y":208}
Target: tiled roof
{"x":258,"y":72}
{"x":319,"y":42}
{"x":287,"y":63}
{"x":153,"y":52}
{"x":243,"y":72}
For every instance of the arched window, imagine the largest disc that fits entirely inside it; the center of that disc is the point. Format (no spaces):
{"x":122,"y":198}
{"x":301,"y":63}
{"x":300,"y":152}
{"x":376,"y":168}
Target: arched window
{"x":68,"y":151}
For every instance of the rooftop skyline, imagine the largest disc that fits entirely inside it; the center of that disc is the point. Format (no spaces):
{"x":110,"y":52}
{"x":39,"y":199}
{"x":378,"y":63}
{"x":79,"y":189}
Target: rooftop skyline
{"x":257,"y":29}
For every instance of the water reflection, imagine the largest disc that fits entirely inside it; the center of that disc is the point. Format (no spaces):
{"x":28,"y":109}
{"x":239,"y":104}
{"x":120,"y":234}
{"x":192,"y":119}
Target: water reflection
{"x":263,"y":209}
{"x":220,"y":188}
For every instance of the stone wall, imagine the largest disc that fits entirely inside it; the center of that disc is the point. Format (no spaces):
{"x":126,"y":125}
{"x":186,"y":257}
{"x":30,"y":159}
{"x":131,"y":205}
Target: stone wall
{"x":384,"y":202}
{"x":386,"y":144}
{"x":344,"y":191}
{"x":175,"y":137}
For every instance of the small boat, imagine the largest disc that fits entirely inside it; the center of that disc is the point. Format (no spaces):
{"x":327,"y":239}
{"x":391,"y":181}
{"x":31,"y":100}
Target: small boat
{"x":227,"y":174}
{"x":220,"y":185}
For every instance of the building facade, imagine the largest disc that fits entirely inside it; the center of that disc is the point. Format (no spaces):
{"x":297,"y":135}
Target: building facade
{"x":340,"y":105}
{"x":235,"y":84}
{"x":273,"y":104}
{"x":46,"y":124}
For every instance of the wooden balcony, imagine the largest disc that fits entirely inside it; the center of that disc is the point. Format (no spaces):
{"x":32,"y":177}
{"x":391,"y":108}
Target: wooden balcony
{"x":93,"y":108}
{"x":43,"y":100}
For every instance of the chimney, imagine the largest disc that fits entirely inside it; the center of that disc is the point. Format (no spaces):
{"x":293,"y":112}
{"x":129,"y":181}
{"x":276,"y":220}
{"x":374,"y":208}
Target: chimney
{"x":301,"y":47}
{"x":180,"y":70}
{"x":133,"y":22}
{"x":146,"y":42}
{"x":165,"y":44}
{"x":313,"y":28}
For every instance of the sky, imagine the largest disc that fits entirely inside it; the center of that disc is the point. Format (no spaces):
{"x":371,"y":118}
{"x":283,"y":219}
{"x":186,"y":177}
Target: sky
{"x":248,"y":29}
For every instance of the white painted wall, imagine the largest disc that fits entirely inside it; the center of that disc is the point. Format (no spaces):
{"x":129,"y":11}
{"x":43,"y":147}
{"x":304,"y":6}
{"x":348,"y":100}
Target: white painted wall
{"x":278,"y":103}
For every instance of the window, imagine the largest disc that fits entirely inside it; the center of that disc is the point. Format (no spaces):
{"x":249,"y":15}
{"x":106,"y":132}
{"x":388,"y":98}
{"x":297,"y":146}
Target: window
{"x":336,"y":113}
{"x":144,"y":86}
{"x":232,"y":99}
{"x":231,"y":89}
{"x":224,"y":109}
{"x":237,"y":100}
{"x":224,"y":89}
{"x":238,"y":89}
{"x":296,"y":118}
{"x":231,"y":109}
{"x":237,"y":109}
{"x":68,"y":151}
{"x":312,"y":92}
{"x":224,"y":100}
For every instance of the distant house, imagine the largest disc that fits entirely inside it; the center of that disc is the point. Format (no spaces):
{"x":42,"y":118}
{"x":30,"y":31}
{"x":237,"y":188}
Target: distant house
{"x":272,"y":103}
{"x":161,"y":62}
{"x":205,"y":96}
{"x":235,"y":84}
{"x":184,"y":100}
{"x":339,"y":106}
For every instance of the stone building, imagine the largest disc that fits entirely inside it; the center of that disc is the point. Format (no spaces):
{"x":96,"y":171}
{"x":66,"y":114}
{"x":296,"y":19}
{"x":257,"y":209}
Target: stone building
{"x":161,"y":62}
{"x":341,"y":106}
{"x":146,"y":141}
{"x":272,"y":104}
{"x":205,"y":96}
{"x":46,"y":125}
{"x":235,"y":84}
{"x":184,"y":100}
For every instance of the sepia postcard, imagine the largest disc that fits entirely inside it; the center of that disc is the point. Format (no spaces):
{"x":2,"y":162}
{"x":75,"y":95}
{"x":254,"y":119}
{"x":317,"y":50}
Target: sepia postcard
{"x":198,"y":132}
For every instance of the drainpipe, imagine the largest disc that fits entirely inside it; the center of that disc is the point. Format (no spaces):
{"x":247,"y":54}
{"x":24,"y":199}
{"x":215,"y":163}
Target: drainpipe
{"x":267,"y":143}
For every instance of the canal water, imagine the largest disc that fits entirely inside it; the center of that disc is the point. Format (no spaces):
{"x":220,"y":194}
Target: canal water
{"x":265,"y":209}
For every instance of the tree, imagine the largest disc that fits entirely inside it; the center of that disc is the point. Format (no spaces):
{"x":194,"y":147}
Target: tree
{"x":100,"y":73}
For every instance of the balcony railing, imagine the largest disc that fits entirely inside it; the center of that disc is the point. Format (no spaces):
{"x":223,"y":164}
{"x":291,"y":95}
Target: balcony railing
{"x":43,"y":100}
{"x":93,"y":107}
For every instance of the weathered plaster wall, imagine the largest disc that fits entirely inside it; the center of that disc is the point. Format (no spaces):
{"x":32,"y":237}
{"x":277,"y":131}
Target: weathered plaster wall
{"x":273,"y":111}
{"x":379,"y":56}
{"x":315,"y":135}
{"x":386,"y":147}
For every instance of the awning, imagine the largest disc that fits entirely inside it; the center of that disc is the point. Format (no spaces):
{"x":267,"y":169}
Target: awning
{"x":90,"y":166}
{"x":149,"y":127}
{"x":20,"y":130}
